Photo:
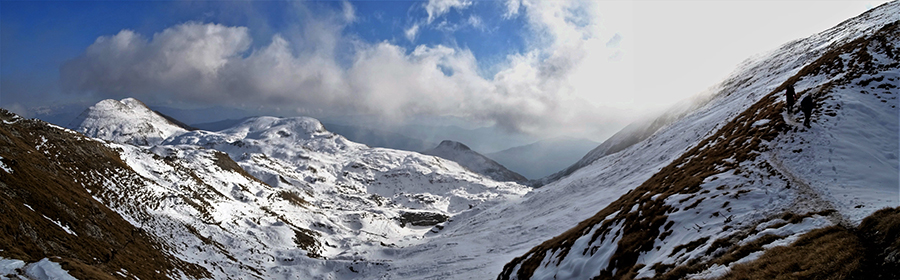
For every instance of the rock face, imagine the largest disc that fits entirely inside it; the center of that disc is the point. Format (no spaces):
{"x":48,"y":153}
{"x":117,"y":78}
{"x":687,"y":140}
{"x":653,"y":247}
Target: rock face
{"x":474,"y":161}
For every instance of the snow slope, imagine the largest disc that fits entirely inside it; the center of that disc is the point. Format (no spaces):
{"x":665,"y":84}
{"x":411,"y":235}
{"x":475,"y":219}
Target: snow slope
{"x":474,"y":161}
{"x":759,"y":179}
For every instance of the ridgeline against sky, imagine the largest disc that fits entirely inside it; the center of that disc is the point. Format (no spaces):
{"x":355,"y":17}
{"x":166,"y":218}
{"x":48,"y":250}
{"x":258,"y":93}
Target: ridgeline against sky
{"x":582,"y":68}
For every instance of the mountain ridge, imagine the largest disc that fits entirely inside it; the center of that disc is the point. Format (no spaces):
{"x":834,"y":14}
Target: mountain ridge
{"x":474,"y":161}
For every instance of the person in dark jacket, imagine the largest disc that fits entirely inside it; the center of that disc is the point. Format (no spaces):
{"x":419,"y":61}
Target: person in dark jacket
{"x":789,"y":95}
{"x":806,"y":105}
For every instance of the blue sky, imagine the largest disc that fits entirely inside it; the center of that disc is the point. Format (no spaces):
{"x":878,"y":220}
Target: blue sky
{"x":38,"y":36}
{"x":539,"y":67}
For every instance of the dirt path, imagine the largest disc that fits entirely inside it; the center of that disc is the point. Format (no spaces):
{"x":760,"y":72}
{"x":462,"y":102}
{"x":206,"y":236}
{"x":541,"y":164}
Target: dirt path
{"x":808,"y":199}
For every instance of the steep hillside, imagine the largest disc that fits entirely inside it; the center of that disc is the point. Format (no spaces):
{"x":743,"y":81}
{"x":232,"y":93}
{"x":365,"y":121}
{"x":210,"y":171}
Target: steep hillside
{"x":628,"y":136}
{"x":53,"y":188}
{"x":542,"y":158}
{"x":761,"y":180}
{"x":474,"y":161}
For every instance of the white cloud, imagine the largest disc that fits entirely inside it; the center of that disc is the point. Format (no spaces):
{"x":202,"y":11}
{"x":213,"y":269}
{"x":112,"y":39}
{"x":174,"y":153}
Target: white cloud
{"x":563,"y":84}
{"x":512,"y":8}
{"x":349,"y":11}
{"x":437,"y":8}
{"x":187,"y":57}
{"x":411,"y":32}
{"x":476,"y":23}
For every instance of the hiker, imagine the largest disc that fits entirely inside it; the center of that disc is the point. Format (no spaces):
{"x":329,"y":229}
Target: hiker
{"x":807,"y":105}
{"x":790,"y":98}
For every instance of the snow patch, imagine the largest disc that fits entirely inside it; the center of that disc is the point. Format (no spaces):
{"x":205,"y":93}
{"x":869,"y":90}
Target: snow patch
{"x":760,"y":122}
{"x":60,"y":225}
{"x":47,"y":270}
{"x":4,"y":167}
{"x":41,"y":270}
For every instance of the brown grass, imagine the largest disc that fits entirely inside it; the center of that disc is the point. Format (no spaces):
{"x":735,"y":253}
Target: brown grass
{"x":222,"y":160}
{"x":293,"y":198}
{"x":880,"y":235}
{"x":827,"y":253}
{"x":305,"y":239}
{"x":45,"y":180}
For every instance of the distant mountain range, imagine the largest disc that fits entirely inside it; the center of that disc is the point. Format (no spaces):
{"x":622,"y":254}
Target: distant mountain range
{"x":544,"y":157}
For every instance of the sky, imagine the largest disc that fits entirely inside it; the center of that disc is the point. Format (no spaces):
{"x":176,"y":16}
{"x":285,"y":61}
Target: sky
{"x":544,"y":68}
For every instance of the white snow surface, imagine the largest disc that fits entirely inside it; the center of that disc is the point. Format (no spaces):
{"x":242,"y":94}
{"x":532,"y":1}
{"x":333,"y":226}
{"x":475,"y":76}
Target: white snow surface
{"x":47,"y":270}
{"x":40,"y":270}
{"x":9,"y":266}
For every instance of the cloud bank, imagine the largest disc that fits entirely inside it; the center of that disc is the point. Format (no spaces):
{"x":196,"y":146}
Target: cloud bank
{"x":566,"y":82}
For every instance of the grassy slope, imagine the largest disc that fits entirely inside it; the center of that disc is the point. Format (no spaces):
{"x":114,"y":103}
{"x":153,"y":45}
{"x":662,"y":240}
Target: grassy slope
{"x":56,"y":178}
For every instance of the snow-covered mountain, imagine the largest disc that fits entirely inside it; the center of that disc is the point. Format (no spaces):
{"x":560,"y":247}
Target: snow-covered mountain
{"x":125,"y":121}
{"x":272,"y":197}
{"x":474,"y":161}
{"x":379,"y":138}
{"x":58,"y":188}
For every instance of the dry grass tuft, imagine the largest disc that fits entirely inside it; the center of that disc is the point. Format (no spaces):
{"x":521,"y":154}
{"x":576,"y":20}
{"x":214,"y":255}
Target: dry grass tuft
{"x":827,"y":253}
{"x":293,"y":198}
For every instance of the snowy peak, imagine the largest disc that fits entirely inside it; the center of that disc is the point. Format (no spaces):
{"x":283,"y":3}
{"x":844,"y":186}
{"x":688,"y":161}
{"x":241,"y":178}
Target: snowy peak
{"x":298,"y":128}
{"x":474,"y":161}
{"x":126,"y":121}
{"x":452,"y":145}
